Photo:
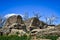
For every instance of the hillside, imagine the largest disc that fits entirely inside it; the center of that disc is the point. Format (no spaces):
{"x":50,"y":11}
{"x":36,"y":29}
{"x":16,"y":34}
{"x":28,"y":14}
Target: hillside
{"x":15,"y":25}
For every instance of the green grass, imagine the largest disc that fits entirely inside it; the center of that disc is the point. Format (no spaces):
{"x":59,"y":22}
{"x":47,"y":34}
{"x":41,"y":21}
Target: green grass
{"x":24,"y":37}
{"x":52,"y":37}
{"x":15,"y":37}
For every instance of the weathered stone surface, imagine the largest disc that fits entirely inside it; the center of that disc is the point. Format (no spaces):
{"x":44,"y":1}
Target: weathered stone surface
{"x":40,"y":39}
{"x":58,"y":27}
{"x":4,"y":31}
{"x":13,"y":22}
{"x":46,"y":31}
{"x":35,"y":23}
{"x":58,"y":38}
{"x":17,"y":32}
{"x":34,"y":38}
{"x":13,"y":19}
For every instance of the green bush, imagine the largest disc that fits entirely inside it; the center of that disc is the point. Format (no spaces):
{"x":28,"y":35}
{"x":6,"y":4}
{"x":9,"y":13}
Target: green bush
{"x":52,"y":37}
{"x":14,"y":37}
{"x":25,"y":37}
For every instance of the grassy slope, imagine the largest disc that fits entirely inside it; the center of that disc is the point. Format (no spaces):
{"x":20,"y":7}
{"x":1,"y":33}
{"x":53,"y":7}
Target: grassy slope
{"x":14,"y":37}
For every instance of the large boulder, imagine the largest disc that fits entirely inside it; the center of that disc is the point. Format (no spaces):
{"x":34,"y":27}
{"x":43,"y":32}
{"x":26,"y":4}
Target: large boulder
{"x":46,"y":31}
{"x":4,"y":31}
{"x":13,"y":22}
{"x":35,"y":23}
{"x":17,"y":32}
{"x":58,"y":27}
{"x":13,"y":19}
{"x":58,"y":38}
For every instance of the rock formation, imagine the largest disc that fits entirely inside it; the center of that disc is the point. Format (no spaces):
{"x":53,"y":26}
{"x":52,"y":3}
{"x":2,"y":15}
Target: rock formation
{"x":13,"y":22}
{"x":47,"y":31}
{"x":14,"y":19}
{"x":35,"y":23}
{"x":17,"y":32}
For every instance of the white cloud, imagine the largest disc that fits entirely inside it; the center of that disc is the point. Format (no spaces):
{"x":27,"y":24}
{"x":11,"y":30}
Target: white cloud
{"x":11,"y":14}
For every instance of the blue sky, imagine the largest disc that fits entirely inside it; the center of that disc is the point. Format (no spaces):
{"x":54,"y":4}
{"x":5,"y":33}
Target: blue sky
{"x":44,"y":7}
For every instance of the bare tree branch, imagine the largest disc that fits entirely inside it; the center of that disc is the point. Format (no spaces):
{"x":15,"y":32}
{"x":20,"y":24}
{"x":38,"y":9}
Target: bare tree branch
{"x":37,"y":15}
{"x":26,"y":16}
{"x":51,"y":20}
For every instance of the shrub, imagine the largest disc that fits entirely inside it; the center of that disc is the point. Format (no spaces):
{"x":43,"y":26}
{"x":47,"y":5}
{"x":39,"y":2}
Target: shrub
{"x":15,"y":37}
{"x":52,"y":37}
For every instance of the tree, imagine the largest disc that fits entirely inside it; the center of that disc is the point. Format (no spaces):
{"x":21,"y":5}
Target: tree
{"x":37,"y":15}
{"x":51,"y":20}
{"x":46,"y":19}
{"x":26,"y":16}
{"x":1,"y":21}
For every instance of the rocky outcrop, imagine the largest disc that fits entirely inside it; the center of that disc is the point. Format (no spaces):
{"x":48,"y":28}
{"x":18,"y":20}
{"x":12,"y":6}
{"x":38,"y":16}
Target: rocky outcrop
{"x":45,"y":39}
{"x":17,"y":32}
{"x":58,"y":38}
{"x":35,"y":23}
{"x":4,"y":31}
{"x":46,"y":31}
{"x":13,"y":19}
{"x":13,"y":22}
